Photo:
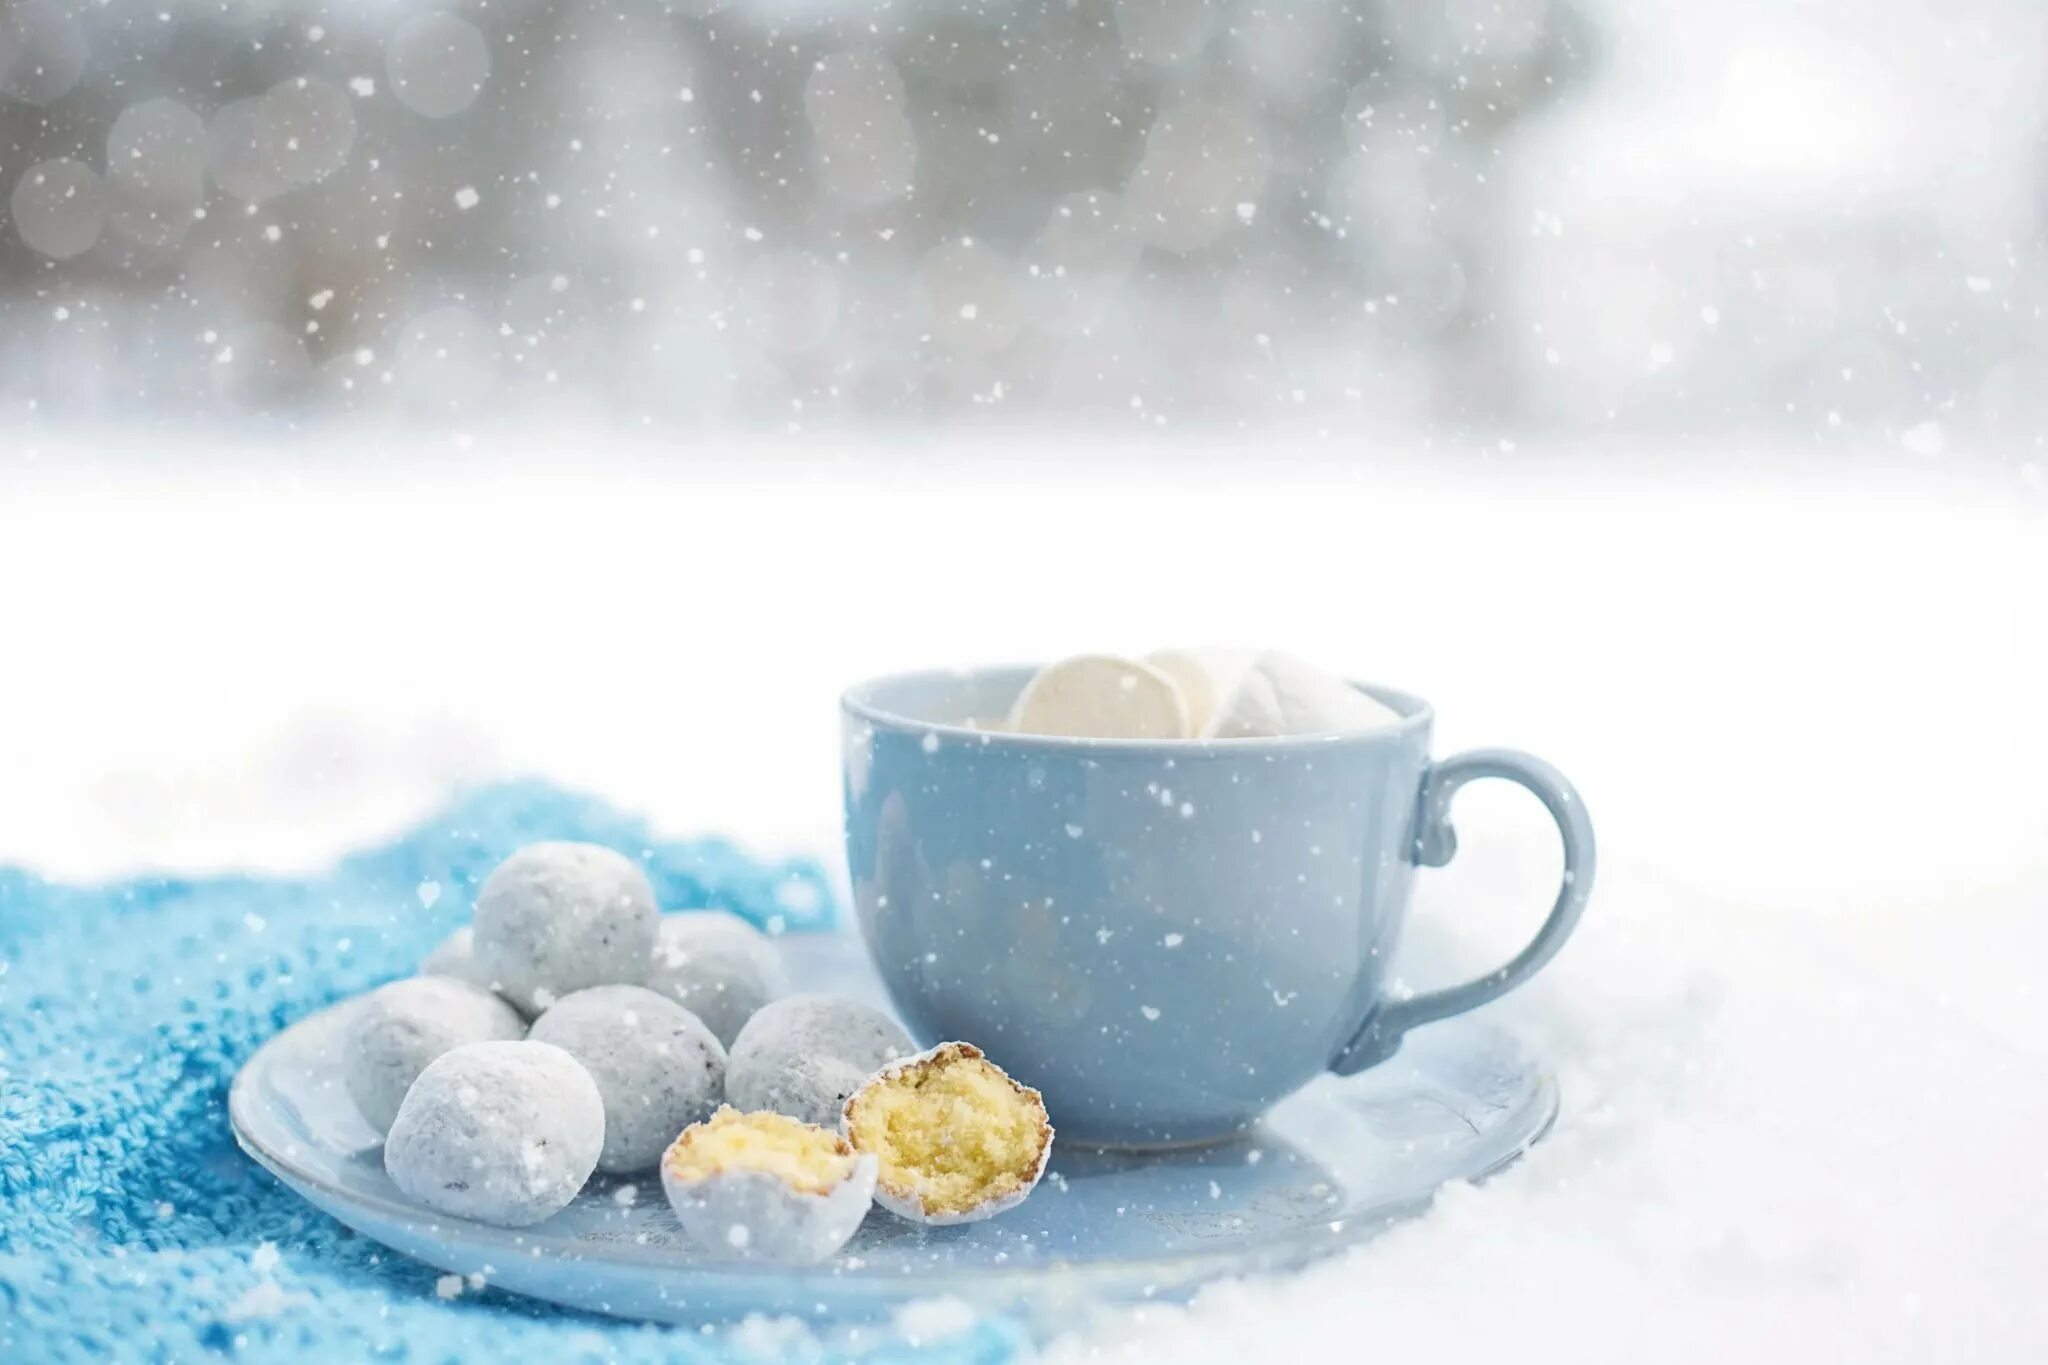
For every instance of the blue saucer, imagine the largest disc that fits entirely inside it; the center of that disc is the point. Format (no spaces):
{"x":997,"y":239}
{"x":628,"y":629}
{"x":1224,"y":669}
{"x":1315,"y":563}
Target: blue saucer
{"x":1330,"y":1166}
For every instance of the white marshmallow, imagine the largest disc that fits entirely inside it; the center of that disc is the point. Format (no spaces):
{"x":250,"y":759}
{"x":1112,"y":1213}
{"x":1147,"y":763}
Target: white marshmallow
{"x":504,"y":1133}
{"x":400,"y":1028}
{"x":1281,"y":695}
{"x":1101,"y":696}
{"x":1206,"y":678}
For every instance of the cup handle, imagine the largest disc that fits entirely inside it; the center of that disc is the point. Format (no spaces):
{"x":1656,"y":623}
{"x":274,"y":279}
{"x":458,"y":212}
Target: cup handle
{"x":1435,"y":843}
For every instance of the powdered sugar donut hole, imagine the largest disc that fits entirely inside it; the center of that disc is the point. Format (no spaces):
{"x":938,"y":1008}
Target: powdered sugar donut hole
{"x":803,"y":1055}
{"x":504,"y":1133}
{"x":559,"y":917}
{"x":765,"y":1187}
{"x":398,"y":1029}
{"x":657,"y":1068}
{"x":455,"y":956}
{"x":957,"y":1140}
{"x":718,"y":967}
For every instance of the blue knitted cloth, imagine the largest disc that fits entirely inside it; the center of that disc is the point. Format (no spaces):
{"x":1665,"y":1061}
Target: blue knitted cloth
{"x":133,"y":1228}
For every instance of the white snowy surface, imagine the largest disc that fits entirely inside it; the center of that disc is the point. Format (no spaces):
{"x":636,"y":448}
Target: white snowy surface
{"x":1802,"y":1045}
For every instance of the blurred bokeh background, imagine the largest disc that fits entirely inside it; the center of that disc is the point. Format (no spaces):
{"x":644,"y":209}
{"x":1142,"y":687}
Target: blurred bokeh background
{"x":1499,"y":220}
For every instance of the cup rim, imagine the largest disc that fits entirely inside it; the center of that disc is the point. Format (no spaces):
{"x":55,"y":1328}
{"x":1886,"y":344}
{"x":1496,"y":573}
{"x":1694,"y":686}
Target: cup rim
{"x":1415,"y":714}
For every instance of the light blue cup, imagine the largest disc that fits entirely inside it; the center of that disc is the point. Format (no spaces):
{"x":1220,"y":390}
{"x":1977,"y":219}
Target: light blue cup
{"x":1164,"y":936}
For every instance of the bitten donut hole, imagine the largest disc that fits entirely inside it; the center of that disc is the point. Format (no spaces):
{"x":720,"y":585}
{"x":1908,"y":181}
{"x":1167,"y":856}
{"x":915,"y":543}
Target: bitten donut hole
{"x":800,"y":1155}
{"x":951,"y":1132}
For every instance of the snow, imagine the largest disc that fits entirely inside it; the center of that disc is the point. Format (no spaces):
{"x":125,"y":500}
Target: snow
{"x":923,"y":1321}
{"x":1924,"y":439}
{"x":1800,"y":1036}
{"x":264,"y":1299}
